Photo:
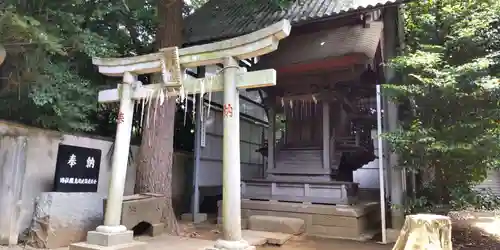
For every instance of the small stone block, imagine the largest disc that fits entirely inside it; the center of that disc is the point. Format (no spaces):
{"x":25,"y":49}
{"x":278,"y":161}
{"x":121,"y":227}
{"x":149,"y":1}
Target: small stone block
{"x":156,"y":229}
{"x":278,"y":238}
{"x":247,"y":248}
{"x":269,"y":237}
{"x":134,"y":245}
{"x":135,"y":205}
{"x":109,"y":239}
{"x":198,"y":218}
{"x":231,"y":245}
{"x":254,"y":239}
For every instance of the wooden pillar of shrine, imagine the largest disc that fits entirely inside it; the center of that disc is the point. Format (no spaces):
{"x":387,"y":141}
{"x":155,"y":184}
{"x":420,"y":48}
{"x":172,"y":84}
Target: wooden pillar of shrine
{"x":326,"y":134}
{"x":271,"y":137}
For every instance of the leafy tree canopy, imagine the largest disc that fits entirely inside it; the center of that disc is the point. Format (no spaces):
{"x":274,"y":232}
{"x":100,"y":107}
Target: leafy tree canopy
{"x":48,"y":79}
{"x":450,"y":90}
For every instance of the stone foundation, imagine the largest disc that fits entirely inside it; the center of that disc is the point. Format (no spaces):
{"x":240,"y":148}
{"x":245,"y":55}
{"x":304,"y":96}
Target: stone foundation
{"x":356,"y":222}
{"x":285,"y":225}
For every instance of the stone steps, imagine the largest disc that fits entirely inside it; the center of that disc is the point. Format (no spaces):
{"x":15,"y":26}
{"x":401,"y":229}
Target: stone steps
{"x":273,"y":230}
{"x":300,"y":165}
{"x":293,"y":226}
{"x":259,"y":238}
{"x":313,"y":155}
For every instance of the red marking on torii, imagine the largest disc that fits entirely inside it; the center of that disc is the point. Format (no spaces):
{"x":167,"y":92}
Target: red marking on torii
{"x":120,"y":118}
{"x":228,"y":110}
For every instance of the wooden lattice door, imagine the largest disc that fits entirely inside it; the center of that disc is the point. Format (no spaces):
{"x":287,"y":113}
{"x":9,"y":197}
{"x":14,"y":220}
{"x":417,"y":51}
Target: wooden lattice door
{"x":303,"y":124}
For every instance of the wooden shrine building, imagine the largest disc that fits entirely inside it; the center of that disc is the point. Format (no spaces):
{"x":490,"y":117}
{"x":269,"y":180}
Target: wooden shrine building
{"x":322,"y":111}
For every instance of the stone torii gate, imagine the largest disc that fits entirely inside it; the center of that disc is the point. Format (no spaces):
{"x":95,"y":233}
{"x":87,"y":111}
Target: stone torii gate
{"x":114,"y":235}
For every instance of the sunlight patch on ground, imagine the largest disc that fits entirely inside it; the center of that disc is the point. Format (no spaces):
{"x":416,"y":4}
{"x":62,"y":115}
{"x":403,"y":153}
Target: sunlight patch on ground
{"x":489,"y":225}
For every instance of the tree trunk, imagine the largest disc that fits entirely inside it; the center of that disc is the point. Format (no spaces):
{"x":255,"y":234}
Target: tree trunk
{"x":154,"y":168}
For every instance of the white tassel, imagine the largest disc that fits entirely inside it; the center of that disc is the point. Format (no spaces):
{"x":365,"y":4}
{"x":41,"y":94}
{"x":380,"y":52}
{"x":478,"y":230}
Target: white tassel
{"x":185,"y":107}
{"x":211,"y":81}
{"x":202,"y":97}
{"x":143,"y":102}
{"x":157,"y":106}
{"x":314,"y":99}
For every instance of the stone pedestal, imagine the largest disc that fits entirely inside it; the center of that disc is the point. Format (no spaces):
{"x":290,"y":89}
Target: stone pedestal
{"x":115,"y":241}
{"x":133,"y":211}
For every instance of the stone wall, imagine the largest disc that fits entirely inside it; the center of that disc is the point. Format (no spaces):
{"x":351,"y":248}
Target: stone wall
{"x":41,"y":155}
{"x":12,"y":170}
{"x":64,"y":218}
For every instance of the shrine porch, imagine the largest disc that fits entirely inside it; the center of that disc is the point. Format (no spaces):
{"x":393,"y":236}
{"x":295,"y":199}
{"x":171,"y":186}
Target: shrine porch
{"x":354,"y":222}
{"x":320,"y":192}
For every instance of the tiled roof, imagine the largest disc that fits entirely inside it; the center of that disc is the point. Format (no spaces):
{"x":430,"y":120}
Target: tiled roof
{"x":219,"y":19}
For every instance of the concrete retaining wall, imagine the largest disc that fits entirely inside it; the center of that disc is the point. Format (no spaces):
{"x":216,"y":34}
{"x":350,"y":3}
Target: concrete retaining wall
{"x":41,"y":155}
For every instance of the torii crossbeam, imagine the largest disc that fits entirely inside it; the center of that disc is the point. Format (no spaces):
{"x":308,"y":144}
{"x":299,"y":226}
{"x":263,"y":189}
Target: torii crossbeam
{"x":226,"y":52}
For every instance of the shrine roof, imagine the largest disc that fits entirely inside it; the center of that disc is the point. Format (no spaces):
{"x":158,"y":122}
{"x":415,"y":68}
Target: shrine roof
{"x":222,"y":19}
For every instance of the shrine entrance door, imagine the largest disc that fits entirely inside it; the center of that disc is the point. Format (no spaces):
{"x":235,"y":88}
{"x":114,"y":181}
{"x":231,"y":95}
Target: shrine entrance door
{"x":303,"y":124}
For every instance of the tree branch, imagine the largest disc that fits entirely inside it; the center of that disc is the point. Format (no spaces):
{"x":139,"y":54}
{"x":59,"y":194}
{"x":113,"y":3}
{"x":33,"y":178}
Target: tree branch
{"x":130,"y":26}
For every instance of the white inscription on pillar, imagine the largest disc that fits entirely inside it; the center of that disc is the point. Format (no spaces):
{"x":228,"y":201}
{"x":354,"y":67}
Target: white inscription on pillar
{"x":203,"y":133}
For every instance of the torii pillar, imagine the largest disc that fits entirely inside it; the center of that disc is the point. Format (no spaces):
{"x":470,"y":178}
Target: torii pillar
{"x":113,"y":235}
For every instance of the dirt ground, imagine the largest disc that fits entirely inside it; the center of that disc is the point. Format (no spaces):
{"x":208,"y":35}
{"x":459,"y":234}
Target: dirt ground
{"x":471,"y":231}
{"x":209,"y":232}
{"x":474,"y":231}
{"x":327,"y":244}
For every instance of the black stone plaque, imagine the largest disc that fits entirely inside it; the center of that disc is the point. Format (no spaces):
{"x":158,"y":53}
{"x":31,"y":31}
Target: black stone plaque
{"x":77,"y":169}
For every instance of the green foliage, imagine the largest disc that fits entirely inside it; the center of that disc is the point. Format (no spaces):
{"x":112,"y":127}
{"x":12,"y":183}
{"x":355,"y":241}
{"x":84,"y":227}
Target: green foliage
{"x":48,"y":79}
{"x":45,"y":78}
{"x":461,"y":198}
{"x":450,"y":93}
